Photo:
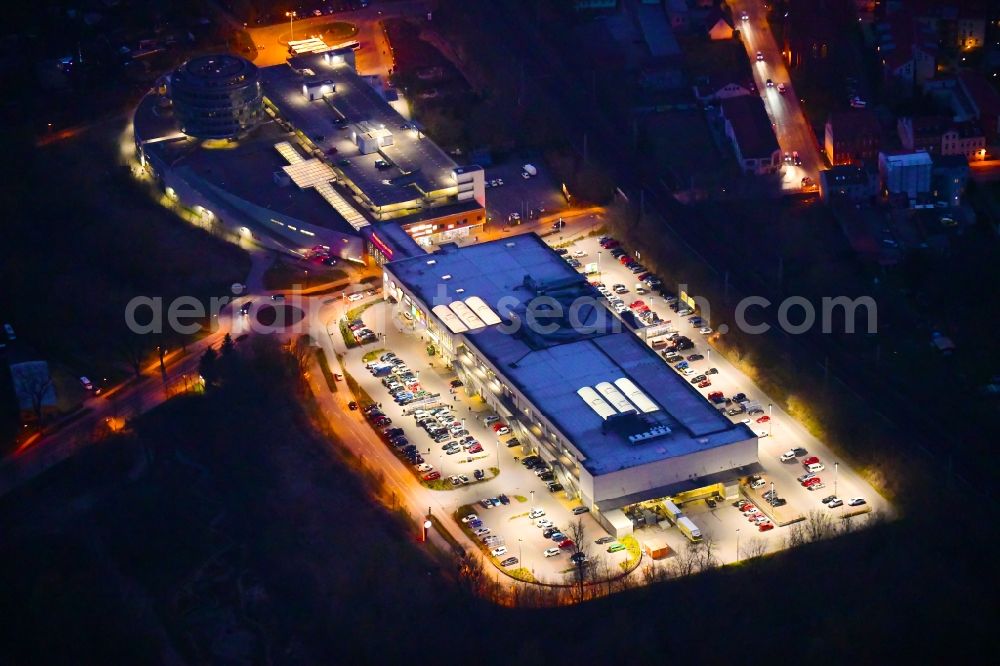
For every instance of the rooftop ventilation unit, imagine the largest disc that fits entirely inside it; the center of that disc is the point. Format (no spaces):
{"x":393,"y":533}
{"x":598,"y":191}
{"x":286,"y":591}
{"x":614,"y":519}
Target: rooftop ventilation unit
{"x":652,"y":433}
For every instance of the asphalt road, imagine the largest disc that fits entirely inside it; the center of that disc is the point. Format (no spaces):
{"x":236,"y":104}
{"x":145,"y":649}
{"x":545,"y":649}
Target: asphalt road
{"x":790,"y":125}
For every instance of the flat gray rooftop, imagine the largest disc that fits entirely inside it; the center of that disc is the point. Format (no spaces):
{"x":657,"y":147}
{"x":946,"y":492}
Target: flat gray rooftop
{"x":415,"y":160}
{"x":243,"y":169}
{"x":549,"y":368}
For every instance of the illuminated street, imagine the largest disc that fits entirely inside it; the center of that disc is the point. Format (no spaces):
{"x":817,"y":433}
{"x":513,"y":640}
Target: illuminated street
{"x":790,"y":124}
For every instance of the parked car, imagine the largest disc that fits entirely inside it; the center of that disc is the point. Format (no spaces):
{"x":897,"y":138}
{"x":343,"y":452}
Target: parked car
{"x":616,"y":547}
{"x":856,"y":501}
{"x":580,"y":509}
{"x":498,"y":551}
{"x":551,"y":552}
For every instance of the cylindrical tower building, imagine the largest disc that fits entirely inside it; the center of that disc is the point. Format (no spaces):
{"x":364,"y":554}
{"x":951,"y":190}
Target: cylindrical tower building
{"x":216,"y":96}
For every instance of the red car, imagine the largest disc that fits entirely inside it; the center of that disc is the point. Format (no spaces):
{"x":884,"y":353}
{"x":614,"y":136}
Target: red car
{"x":636,"y":304}
{"x":812,"y":460}
{"x":811,"y":482}
{"x":498,"y":425}
{"x":431,"y":476}
{"x":476,"y":448}
{"x":763,"y":527}
{"x":625,"y":259}
{"x":714,"y":394}
{"x":567,"y":543}
{"x":705,"y":384}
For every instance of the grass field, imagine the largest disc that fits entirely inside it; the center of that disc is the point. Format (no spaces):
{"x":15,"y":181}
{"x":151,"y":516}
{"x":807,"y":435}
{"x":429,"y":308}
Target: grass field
{"x":286,"y":274}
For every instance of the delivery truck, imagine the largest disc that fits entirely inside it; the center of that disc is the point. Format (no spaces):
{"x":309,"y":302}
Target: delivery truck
{"x":689,"y":529}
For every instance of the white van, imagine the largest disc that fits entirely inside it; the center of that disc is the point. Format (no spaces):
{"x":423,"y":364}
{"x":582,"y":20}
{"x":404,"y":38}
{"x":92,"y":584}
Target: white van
{"x":815,"y":467}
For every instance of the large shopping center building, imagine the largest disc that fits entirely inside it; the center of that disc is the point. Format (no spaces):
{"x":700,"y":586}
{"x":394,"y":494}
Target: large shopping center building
{"x":303,"y":154}
{"x":532,"y":337}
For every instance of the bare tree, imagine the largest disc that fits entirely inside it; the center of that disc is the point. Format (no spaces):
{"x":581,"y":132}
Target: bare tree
{"x":819,"y":526}
{"x":685,"y":562}
{"x":302,"y":351}
{"x":132,"y":348}
{"x":470,"y":573}
{"x":35,"y":382}
{"x":755,"y":548}
{"x":578,"y":533}
{"x":795,"y":536}
{"x":706,"y":555}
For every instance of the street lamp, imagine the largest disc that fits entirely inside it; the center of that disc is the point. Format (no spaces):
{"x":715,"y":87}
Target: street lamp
{"x":770,"y":417}
{"x":291,"y":17}
{"x":427,"y":526}
{"x":836,"y":475}
{"x":519,"y":555}
{"x":600,"y":276}
{"x":737,"y":544}
{"x":498,"y":454}
{"x":532,"y":499}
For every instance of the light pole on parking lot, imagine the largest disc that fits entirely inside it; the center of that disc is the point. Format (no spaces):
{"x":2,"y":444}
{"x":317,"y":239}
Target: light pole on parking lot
{"x":836,"y":474}
{"x":519,"y":556}
{"x":599,"y":275}
{"x":737,"y":544}
{"x":498,"y":454}
{"x":770,"y":417}
{"x":532,"y":499}
{"x":291,"y":17}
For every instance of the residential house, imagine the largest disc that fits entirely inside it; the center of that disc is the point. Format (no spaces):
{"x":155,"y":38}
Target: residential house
{"x":810,"y":28}
{"x":985,"y":101}
{"x":715,"y":88}
{"x":851,"y":183}
{"x":852,"y":136}
{"x":958,"y":24}
{"x":949,"y":178}
{"x":908,"y":50}
{"x":679,"y":15}
{"x":907,"y":174}
{"x":719,"y":24}
{"x":969,"y":96}
{"x":751,"y":134}
{"x":939,"y":135}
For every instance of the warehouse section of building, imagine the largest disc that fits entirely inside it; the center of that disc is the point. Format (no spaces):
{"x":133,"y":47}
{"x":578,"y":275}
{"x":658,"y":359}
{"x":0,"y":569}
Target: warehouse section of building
{"x":528,"y":333}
